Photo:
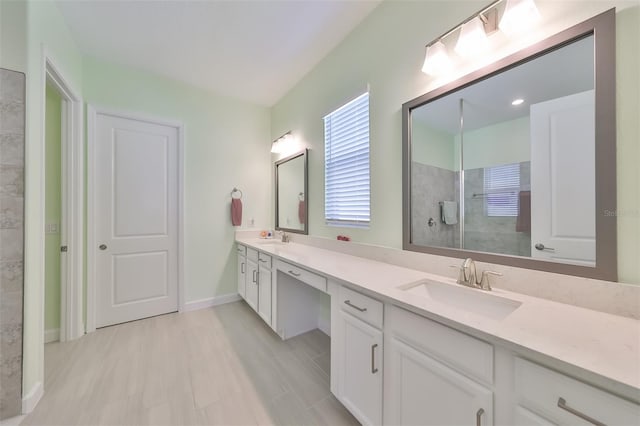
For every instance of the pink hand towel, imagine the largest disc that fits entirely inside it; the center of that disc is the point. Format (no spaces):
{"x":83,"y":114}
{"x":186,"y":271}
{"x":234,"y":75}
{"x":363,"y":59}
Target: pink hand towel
{"x":236,"y":211}
{"x":302,"y":211}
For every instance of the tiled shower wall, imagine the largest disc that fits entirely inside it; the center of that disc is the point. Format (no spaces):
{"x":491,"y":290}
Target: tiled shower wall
{"x":12,"y":125}
{"x":429,"y":186}
{"x":492,"y":234}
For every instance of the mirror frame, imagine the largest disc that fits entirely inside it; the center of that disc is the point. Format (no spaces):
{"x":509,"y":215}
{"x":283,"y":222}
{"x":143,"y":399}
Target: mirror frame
{"x":602,"y":27}
{"x":304,"y":154}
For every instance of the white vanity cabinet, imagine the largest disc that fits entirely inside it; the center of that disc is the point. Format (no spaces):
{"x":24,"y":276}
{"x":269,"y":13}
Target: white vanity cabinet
{"x":434,"y":375}
{"x":264,"y":287}
{"x":242,"y":268}
{"x":358,"y":348}
{"x":545,"y":397}
{"x":251,"y":288}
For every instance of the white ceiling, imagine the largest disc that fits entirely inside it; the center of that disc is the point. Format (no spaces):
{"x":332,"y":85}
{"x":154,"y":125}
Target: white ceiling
{"x":250,"y":50}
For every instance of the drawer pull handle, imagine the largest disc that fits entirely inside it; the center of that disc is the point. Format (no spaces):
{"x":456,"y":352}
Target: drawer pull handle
{"x":348,"y":303}
{"x":262,"y":260}
{"x":562,"y":403}
{"x":242,"y":267}
{"x":479,"y":417}
{"x":293,"y":273}
{"x":374,"y":370}
{"x":254,"y":276}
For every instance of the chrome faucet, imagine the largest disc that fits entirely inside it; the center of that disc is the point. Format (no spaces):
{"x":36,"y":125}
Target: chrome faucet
{"x":284,"y":237}
{"x":468,"y":276}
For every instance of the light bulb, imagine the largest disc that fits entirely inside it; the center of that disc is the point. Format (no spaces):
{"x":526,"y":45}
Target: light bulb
{"x":518,"y":16}
{"x":436,"y":60}
{"x":472,"y":39}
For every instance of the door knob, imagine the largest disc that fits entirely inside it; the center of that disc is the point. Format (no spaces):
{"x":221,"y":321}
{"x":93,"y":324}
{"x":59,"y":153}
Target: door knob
{"x":102,"y":247}
{"x":541,"y":247}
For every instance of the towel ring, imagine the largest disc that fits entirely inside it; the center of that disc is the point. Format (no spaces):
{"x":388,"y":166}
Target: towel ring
{"x":235,"y":190}
{"x":301,"y":196}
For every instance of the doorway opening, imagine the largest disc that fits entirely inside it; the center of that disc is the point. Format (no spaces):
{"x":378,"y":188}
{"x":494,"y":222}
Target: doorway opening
{"x":52,"y":212}
{"x":63,"y":201}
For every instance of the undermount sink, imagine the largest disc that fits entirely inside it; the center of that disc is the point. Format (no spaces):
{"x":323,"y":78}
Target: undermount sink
{"x":464,"y":298}
{"x":267,"y":242}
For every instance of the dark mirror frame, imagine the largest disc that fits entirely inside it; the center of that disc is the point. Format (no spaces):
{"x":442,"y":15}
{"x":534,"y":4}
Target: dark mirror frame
{"x":602,"y":27}
{"x":305,"y":154}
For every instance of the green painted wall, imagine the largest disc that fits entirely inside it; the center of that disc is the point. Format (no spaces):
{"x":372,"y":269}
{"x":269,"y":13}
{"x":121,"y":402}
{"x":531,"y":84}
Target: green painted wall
{"x":227,"y":145}
{"x":385,"y":53}
{"x":52,"y":202}
{"x":432,"y":147}
{"x":502,"y":143}
{"x":13,"y":35}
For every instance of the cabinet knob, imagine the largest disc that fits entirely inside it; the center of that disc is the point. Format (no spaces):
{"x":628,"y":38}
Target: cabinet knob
{"x":102,"y":246}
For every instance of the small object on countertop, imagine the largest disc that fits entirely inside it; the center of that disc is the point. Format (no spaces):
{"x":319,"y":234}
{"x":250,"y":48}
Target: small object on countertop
{"x":343,"y":238}
{"x":269,"y":234}
{"x":263,"y":234}
{"x":236,"y":211}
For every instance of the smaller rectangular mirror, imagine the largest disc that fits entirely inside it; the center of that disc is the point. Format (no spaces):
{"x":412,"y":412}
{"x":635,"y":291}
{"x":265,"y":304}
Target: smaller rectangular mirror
{"x":292,"y":194}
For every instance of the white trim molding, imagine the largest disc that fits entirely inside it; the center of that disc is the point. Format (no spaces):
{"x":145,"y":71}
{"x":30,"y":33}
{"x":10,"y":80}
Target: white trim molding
{"x":92,"y":113}
{"x":210,"y":302}
{"x":31,"y":399}
{"x":72,"y":226}
{"x":51,"y":335}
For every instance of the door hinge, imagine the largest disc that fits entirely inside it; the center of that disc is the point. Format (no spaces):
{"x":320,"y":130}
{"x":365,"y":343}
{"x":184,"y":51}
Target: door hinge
{"x":64,"y":249}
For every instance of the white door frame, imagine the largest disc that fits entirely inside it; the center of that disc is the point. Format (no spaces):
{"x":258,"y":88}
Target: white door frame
{"x":72,"y":203}
{"x":92,"y":113}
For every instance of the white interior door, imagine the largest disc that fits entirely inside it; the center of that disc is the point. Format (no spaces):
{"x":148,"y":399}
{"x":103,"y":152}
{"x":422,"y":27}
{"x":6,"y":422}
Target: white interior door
{"x":136,"y":217}
{"x":563,"y":200}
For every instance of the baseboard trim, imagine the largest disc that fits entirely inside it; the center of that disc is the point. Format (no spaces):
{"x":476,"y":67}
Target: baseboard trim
{"x":210,"y":302}
{"x":51,"y":335}
{"x":31,"y":399}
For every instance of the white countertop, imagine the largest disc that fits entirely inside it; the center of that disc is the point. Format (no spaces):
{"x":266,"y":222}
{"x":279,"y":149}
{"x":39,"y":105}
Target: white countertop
{"x":605,"y":345}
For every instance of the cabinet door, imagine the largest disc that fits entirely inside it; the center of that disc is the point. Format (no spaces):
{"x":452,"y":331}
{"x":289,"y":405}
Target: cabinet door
{"x":251,"y":288}
{"x":360,"y":369}
{"x":242,"y":274}
{"x":264,"y":293}
{"x":423,"y":391}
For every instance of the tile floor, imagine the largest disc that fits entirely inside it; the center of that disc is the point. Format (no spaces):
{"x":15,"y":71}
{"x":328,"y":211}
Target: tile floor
{"x":218,"y":366}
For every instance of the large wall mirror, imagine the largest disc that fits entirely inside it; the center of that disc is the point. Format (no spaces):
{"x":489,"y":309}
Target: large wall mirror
{"x":291,"y":193}
{"x":515,"y":164}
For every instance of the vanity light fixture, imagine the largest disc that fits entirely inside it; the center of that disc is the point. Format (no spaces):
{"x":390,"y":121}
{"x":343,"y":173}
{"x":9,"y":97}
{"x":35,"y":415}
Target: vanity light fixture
{"x":473,"y":32}
{"x":436,"y":60}
{"x":283,"y":143}
{"x":473,"y":38}
{"x":517,"y":102}
{"x":518,"y":16}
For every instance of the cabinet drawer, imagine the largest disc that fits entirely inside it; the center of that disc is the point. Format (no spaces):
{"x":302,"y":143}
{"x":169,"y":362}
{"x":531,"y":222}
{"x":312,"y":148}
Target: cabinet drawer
{"x":361,"y":306}
{"x":307,"y":277}
{"x":242,"y":250}
{"x":264,"y":260}
{"x":252,"y":254}
{"x":540,"y":390}
{"x":460,"y":351}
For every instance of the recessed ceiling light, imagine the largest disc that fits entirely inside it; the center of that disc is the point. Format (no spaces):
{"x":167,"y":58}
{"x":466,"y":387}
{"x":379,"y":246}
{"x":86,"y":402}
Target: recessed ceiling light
{"x":517,"y":102}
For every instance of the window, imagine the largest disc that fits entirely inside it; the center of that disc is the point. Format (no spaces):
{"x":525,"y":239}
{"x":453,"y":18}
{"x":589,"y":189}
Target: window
{"x":346,"y":164}
{"x":501,"y":187}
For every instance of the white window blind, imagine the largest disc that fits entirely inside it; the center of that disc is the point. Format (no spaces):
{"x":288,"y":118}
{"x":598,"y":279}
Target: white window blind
{"x":501,"y":187}
{"x":346,"y":157}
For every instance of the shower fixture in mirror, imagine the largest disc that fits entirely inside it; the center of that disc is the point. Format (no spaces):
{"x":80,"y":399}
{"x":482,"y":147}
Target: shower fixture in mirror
{"x":291,"y":193}
{"x":515,"y":163}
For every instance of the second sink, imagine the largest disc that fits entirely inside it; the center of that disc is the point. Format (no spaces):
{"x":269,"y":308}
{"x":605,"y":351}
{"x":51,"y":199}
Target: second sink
{"x":462,"y":298}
